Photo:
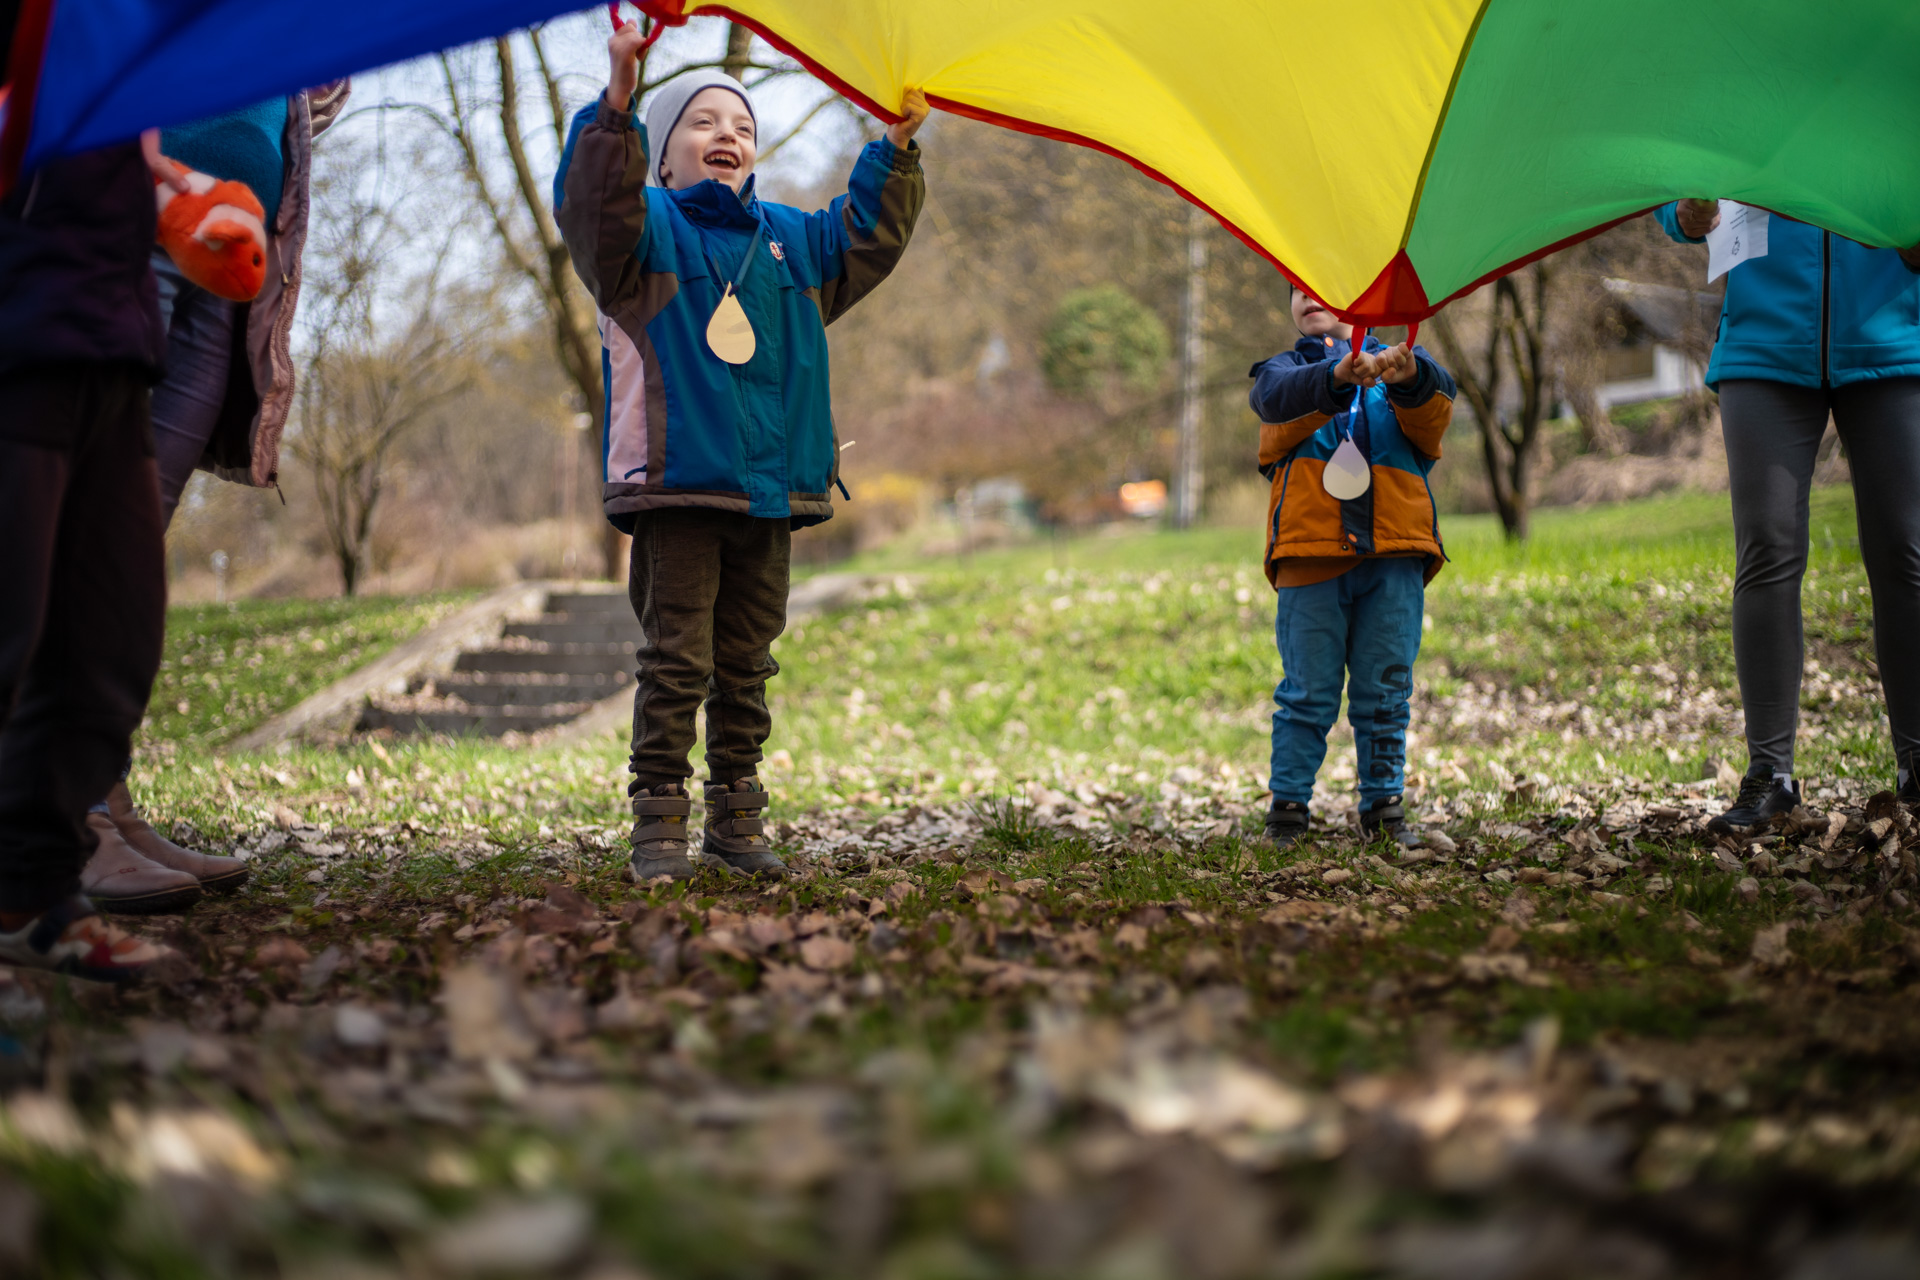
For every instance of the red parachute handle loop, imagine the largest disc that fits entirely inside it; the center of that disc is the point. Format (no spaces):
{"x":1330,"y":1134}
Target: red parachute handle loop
{"x":1360,"y":335}
{"x":659,"y":26}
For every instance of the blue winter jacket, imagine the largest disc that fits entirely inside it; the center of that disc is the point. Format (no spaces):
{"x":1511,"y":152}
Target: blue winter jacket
{"x":1818,"y":310}
{"x":683,"y":428}
{"x":1304,"y":415}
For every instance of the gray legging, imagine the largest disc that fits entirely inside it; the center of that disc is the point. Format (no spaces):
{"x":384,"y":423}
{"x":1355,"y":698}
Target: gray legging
{"x":1773,"y":432}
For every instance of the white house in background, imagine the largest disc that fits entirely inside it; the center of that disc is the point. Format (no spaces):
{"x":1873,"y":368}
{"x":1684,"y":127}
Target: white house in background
{"x":1646,"y":364}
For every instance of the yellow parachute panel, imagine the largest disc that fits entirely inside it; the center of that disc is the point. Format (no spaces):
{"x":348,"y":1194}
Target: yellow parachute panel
{"x":1304,"y":126}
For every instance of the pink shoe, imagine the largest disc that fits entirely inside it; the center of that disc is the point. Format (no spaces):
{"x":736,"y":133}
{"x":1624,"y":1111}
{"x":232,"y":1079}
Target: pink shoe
{"x":215,"y":873}
{"x":119,"y":879}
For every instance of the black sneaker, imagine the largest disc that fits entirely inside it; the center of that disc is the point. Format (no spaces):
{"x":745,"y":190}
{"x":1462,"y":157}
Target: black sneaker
{"x":1388,"y":815}
{"x":1761,"y":798}
{"x":1286,"y":823}
{"x":1910,"y":789}
{"x":736,"y":835}
{"x":660,"y":833}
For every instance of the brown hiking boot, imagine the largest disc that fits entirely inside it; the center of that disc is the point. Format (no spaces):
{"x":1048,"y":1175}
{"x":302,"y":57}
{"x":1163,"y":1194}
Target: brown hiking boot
{"x":216,"y":874}
{"x":736,"y":837}
{"x":660,"y":833}
{"x":118,"y":878}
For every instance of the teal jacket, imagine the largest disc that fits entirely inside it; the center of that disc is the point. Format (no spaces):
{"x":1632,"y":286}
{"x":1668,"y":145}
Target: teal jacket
{"x":683,"y":428}
{"x":1818,"y":310}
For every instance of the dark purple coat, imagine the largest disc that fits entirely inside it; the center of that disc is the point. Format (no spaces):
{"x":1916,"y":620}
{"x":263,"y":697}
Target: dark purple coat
{"x":75,"y":284}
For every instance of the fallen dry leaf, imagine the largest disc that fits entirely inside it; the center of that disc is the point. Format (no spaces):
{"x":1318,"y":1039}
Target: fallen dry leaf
{"x":825,"y":952}
{"x":484,"y":1018}
{"x":1770,"y":945}
{"x":279,"y":951}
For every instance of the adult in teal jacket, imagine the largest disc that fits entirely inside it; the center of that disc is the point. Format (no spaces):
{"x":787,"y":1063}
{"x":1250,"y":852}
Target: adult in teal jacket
{"x":1820,"y":325}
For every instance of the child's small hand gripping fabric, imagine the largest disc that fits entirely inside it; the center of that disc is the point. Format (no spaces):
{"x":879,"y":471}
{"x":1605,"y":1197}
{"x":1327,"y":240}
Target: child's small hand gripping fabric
{"x":215,"y":232}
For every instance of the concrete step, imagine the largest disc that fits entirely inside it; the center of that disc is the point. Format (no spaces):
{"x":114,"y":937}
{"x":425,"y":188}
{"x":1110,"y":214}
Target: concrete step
{"x":572,"y":629}
{"x":502,"y":689}
{"x":590,"y":605}
{"x":566,"y":659}
{"x":487,"y":722}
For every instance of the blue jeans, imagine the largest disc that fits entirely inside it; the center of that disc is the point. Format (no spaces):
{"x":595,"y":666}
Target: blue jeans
{"x":186,"y":404}
{"x":1361,"y":629}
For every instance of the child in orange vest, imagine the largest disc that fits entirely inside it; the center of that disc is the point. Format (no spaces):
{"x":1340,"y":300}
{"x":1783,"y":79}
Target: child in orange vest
{"x":1347,"y":438}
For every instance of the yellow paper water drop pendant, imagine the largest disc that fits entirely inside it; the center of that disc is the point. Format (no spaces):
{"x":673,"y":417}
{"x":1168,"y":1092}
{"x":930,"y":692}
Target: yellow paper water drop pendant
{"x":730,"y":333}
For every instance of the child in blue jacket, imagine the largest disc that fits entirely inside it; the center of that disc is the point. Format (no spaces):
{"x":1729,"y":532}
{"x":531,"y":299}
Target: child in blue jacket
{"x":1348,"y":434}
{"x":719,"y":435}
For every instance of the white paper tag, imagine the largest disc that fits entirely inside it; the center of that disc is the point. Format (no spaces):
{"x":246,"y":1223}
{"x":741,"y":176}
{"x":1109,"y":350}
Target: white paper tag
{"x":1740,"y":237}
{"x":729,"y":332}
{"x":1347,"y":474}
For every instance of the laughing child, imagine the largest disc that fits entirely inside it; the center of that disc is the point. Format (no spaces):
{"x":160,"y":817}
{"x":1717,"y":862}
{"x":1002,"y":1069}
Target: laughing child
{"x":1347,"y":438}
{"x":719,"y":437}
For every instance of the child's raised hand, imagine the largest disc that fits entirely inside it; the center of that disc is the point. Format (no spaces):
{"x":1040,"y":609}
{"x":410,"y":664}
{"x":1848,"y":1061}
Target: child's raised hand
{"x":913,"y":105}
{"x":1356,"y":369}
{"x":623,"y":56}
{"x":1396,"y":365}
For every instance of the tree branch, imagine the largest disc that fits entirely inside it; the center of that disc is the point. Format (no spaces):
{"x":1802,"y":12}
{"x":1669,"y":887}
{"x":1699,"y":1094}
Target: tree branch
{"x":463,"y":134}
{"x":797,"y":129}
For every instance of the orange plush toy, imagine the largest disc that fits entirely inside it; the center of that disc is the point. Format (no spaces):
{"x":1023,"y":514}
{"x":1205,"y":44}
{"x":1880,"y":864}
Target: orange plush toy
{"x":215,"y":233}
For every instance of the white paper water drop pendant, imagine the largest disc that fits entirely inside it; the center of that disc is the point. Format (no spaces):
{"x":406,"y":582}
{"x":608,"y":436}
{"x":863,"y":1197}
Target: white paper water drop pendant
{"x":1347,"y":474}
{"x":730,"y":333}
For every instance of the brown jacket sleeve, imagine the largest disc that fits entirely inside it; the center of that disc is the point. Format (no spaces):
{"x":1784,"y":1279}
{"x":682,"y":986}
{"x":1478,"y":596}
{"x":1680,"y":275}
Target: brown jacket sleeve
{"x":862,"y":235}
{"x":602,"y":213}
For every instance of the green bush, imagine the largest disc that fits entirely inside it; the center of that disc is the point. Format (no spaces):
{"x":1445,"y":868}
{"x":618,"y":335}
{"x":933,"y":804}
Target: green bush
{"x":1102,"y":333}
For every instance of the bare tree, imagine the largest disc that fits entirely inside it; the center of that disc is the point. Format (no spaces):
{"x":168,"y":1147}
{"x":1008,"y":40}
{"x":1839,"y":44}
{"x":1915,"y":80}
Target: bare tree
{"x":1510,"y":318}
{"x":382,"y":353}
{"x":1588,"y":330}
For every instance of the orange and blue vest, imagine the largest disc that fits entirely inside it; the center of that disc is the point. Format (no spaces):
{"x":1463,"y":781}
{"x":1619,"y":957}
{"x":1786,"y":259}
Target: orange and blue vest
{"x":1304,"y":415}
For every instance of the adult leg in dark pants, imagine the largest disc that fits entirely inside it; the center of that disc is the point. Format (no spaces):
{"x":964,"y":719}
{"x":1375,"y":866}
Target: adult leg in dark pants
{"x":82,"y":613}
{"x":1879,"y":421}
{"x":710,"y":590}
{"x":1773,"y":432}
{"x":135,"y":869}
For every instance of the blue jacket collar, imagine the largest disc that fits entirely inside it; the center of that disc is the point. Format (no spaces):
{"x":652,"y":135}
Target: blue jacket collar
{"x":1313,"y":350}
{"x":715,"y":204}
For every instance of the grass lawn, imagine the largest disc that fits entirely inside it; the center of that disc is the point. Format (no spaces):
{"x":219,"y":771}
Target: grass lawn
{"x":229,"y":667}
{"x":1038,"y":1002}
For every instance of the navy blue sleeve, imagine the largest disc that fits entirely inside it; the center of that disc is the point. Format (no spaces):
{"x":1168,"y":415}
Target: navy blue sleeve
{"x":1432,"y":379}
{"x":1287,"y":388}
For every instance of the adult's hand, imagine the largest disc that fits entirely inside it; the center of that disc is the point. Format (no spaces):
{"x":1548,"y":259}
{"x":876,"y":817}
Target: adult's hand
{"x":913,"y":105}
{"x":623,"y":60}
{"x":1697,"y":217}
{"x":165,"y":171}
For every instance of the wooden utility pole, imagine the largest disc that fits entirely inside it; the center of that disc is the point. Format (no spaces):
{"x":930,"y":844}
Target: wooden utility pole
{"x":1188,"y":474}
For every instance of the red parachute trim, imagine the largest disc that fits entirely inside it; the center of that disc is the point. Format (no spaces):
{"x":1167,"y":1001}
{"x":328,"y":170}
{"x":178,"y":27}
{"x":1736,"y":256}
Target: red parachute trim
{"x":1538,"y":254}
{"x":22,"y":86}
{"x":1399,"y":284}
{"x":676,"y":12}
{"x":1395,"y":297}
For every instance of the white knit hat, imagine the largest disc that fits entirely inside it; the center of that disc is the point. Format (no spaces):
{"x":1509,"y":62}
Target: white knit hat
{"x":670,"y":103}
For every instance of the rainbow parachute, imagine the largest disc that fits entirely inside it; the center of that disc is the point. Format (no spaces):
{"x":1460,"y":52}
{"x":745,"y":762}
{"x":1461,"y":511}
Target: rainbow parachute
{"x":1386,"y":156}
